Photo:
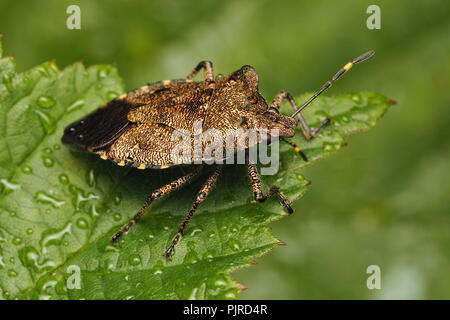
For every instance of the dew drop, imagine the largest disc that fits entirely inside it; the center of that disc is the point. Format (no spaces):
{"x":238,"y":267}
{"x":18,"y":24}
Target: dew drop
{"x":12,"y":260}
{"x":220,"y":282}
{"x":211,"y":234}
{"x":234,"y":228}
{"x":357,"y":98}
{"x":230,"y":295}
{"x":90,"y":178}
{"x":329,"y":147}
{"x":27,"y":169}
{"x":46,"y":102}
{"x":102,"y":73}
{"x":30,"y":231}
{"x":17,"y":241}
{"x":48,"y":151}
{"x":76,"y":105}
{"x":7,"y":81}
{"x":150,"y":236}
{"x":53,"y":237}
{"x":234,"y":244}
{"x":158,"y":268}
{"x":57,"y":147}
{"x":208,"y":255}
{"x":111,"y":95}
{"x":30,"y":258}
{"x":46,"y":198}
{"x":9,"y":186}
{"x":117,"y":217}
{"x":134,"y":260}
{"x":47,"y":161}
{"x":12,"y":214}
{"x":63,"y":178}
{"x":195,"y":231}
{"x":12,"y":273}
{"x":117,"y":198}
{"x":82,"y":223}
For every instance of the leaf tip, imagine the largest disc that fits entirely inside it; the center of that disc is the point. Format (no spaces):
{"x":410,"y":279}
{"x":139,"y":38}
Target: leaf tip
{"x":392,"y":101}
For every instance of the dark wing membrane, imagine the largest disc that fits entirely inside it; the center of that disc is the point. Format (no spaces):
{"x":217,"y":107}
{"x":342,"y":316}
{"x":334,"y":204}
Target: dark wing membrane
{"x":101,"y":128}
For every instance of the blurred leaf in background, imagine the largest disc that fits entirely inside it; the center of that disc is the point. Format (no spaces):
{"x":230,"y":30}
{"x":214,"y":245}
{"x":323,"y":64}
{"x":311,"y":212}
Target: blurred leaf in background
{"x":383,"y":201}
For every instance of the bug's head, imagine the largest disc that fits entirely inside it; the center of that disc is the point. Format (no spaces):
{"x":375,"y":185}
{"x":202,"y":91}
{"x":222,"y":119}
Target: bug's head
{"x":256,"y":112}
{"x":274,"y":123}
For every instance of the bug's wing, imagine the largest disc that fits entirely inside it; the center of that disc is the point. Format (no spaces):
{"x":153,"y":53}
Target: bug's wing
{"x":101,"y":128}
{"x":152,"y":144}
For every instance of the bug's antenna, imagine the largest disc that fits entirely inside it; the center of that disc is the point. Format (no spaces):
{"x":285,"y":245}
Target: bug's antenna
{"x":328,"y":84}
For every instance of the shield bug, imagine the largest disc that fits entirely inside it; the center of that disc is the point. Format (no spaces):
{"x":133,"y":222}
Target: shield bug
{"x":136,"y":128}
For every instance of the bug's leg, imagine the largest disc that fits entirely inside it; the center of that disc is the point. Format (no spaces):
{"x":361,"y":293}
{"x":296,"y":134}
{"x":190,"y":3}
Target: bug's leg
{"x":201,"y":196}
{"x":155,"y":195}
{"x":279,"y":99}
{"x":255,"y":182}
{"x":208,"y":71}
{"x":296,"y":148}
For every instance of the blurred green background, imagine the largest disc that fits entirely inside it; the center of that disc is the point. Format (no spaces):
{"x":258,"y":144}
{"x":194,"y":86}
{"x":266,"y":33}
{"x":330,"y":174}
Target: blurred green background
{"x":383,"y":200}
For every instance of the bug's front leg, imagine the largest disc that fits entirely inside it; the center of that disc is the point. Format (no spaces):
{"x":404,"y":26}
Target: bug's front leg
{"x":201,"y":196}
{"x":255,"y":182}
{"x":155,"y":195}
{"x":280,"y":98}
{"x":208,"y":71}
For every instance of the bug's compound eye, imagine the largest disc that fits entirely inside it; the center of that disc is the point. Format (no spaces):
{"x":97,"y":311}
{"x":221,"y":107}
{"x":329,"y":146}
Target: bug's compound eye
{"x":80,"y":137}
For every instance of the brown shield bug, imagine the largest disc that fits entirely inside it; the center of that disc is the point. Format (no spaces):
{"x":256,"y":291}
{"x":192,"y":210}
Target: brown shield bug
{"x":136,"y":128}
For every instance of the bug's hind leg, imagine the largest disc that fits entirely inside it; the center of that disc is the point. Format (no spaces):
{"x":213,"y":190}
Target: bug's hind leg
{"x":155,"y":195}
{"x":255,"y":181}
{"x":201,"y":196}
{"x":208,"y":71}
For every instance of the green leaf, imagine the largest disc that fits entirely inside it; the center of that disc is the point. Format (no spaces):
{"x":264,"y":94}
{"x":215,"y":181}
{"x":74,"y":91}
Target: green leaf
{"x":59,"y":207}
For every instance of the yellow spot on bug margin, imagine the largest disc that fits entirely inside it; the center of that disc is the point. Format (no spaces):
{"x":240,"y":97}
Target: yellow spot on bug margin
{"x":164,"y":166}
{"x":348,"y":66}
{"x":166,"y":82}
{"x":141,"y":166}
{"x":144,"y":88}
{"x":121,"y":163}
{"x":189,"y":80}
{"x":122,"y":96}
{"x":104,"y":156}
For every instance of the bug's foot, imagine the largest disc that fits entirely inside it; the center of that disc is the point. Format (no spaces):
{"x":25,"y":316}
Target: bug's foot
{"x":170,"y":250}
{"x":115,"y":238}
{"x":285,"y":203}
